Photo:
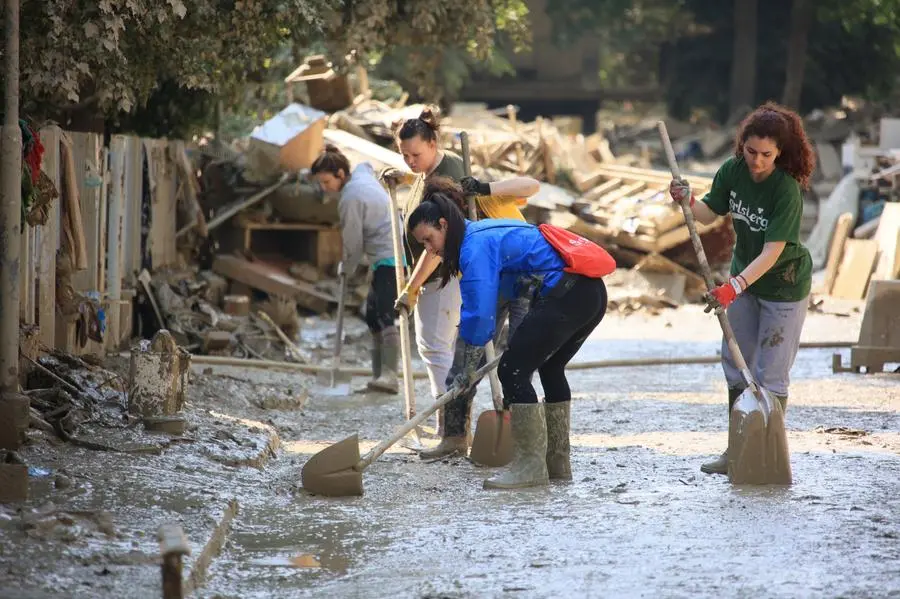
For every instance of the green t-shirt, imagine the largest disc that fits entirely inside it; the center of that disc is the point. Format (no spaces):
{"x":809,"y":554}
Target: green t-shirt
{"x":450,"y":166}
{"x":770,"y":210}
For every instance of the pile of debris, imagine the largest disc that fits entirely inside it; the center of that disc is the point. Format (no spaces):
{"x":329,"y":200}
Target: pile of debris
{"x":241,"y":308}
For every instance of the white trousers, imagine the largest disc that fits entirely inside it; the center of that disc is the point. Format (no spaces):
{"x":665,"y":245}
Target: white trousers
{"x":437,"y":321}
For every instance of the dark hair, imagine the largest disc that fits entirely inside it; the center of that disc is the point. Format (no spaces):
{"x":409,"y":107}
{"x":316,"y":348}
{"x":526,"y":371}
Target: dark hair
{"x":332,"y":160}
{"x":435,"y":205}
{"x":785,"y":128}
{"x":425,"y":126}
{"x":448,"y":188}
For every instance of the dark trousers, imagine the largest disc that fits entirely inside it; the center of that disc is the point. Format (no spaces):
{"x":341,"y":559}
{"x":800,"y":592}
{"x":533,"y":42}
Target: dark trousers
{"x":456,"y":413}
{"x":552,"y":333}
{"x":380,"y":313}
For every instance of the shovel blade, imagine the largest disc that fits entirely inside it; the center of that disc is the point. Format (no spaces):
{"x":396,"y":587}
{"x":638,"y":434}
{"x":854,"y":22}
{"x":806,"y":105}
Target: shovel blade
{"x":492,"y":445}
{"x":332,"y":473}
{"x":757,"y":442}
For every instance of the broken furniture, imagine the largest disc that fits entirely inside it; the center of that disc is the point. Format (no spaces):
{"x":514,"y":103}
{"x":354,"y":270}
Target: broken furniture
{"x":327,"y":89}
{"x":289,"y":141}
{"x":323,"y":242}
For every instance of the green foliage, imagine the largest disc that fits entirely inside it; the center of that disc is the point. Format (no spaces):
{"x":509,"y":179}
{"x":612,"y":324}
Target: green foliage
{"x":156,"y":66}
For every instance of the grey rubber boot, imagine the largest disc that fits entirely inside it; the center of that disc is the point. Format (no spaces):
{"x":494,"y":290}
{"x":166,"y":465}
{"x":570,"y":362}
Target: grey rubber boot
{"x":720,"y":464}
{"x":529,"y":463}
{"x":387,"y":382}
{"x":558,"y":416}
{"x":376,"y":355}
{"x":456,"y":429}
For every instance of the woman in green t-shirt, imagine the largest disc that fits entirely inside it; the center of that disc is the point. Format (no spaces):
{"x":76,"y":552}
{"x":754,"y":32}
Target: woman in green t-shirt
{"x":766,"y":295}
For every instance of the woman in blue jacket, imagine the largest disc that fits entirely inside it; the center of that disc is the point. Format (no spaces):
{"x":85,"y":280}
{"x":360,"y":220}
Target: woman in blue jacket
{"x":503,"y":258}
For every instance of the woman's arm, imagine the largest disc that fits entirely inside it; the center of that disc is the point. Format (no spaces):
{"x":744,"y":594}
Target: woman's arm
{"x":761,"y":265}
{"x":425,"y":266}
{"x":517,"y":187}
{"x":704,"y":214}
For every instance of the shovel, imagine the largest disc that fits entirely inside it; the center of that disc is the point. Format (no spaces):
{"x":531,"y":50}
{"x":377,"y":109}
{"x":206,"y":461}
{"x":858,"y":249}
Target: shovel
{"x":336,"y":471}
{"x":334,"y":381}
{"x":409,"y":393}
{"x":757,"y":443}
{"x":492,"y":443}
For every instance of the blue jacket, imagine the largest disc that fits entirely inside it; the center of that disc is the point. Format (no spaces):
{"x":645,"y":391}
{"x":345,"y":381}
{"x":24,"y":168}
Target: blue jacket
{"x":495,"y":254}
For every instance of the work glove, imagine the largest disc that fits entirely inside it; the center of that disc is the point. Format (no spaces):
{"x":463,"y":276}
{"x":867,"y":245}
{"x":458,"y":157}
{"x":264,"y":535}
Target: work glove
{"x":407,"y":299}
{"x":472,"y":186}
{"x":723,"y":295}
{"x":680,"y":189}
{"x":472,"y":356}
{"x":392,"y":175}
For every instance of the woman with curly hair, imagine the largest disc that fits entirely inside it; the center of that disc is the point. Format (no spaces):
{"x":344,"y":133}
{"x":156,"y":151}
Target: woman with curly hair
{"x":771,"y":271}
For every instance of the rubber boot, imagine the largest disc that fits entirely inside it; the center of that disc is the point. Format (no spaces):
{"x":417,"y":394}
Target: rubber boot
{"x":387,"y":381}
{"x":376,"y":355}
{"x":456,"y":430}
{"x":558,"y":465}
{"x":720,"y":464}
{"x":529,"y":463}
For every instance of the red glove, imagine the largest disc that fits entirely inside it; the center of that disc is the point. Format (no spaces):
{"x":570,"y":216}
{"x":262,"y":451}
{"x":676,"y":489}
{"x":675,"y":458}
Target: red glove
{"x":723,"y":295}
{"x":679,"y":189}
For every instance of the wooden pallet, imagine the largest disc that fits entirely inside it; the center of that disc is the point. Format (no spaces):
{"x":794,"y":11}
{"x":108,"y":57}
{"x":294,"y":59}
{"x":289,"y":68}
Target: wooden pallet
{"x":631,"y":207}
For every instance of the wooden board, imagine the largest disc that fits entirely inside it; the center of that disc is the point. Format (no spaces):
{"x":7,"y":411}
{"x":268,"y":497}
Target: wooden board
{"x":836,"y":252}
{"x":856,"y":266}
{"x":272,"y":280}
{"x":888,"y":266}
{"x":48,"y":241}
{"x":133,"y":196}
{"x":361,"y":150}
{"x":164,"y":205}
{"x":89,"y":178}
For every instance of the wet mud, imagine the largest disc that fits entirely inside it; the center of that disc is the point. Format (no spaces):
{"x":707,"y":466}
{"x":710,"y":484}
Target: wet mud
{"x":638,"y":520}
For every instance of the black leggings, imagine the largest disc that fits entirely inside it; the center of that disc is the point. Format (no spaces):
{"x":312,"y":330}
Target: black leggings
{"x":552,"y":333}
{"x":380,"y":313}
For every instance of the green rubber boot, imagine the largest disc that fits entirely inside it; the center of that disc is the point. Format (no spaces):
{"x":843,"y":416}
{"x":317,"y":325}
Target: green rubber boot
{"x":457,"y":428}
{"x":529,"y":463}
{"x":558,"y":465}
{"x":376,"y":355}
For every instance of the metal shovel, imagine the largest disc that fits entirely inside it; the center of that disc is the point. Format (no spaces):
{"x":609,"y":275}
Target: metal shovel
{"x":492,"y":443}
{"x":336,"y":471}
{"x":757,"y":442}
{"x":335,"y":382}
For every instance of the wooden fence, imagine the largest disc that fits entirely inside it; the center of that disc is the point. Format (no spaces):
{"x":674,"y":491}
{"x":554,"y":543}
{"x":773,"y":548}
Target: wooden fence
{"x":115,"y":215}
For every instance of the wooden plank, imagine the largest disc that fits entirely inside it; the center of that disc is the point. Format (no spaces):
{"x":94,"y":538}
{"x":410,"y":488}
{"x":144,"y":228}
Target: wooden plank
{"x":104,"y":204}
{"x":361,"y":150}
{"x":886,"y":237}
{"x":269,"y":279}
{"x":89,"y":178}
{"x":856,"y":266}
{"x":26,"y":275}
{"x":836,"y":251}
{"x":133,"y":190}
{"x":48,"y":241}
{"x":163,"y":207}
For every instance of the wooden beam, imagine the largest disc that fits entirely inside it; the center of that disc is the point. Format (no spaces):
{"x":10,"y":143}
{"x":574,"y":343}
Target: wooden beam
{"x":48,"y":241}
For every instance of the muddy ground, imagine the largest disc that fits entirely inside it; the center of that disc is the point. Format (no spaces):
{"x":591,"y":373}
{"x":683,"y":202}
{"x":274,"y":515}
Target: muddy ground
{"x":639,"y":519}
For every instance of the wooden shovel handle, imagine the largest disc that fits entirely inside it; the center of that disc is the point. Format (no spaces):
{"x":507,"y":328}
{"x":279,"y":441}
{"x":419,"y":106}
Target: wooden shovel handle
{"x":409,"y":397}
{"x":705,"y":270}
{"x":489,"y":352}
{"x":419,"y":418}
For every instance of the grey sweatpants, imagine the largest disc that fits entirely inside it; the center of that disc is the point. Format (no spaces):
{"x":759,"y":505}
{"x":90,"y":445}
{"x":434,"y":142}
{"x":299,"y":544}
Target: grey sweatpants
{"x":768,"y":334}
